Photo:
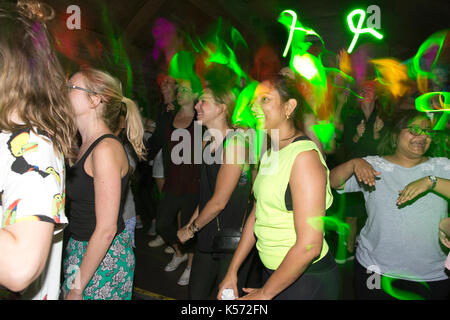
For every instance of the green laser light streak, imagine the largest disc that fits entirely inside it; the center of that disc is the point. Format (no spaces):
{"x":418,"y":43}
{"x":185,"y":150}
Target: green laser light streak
{"x":305,"y":66}
{"x":358,"y":30}
{"x":294,"y":25}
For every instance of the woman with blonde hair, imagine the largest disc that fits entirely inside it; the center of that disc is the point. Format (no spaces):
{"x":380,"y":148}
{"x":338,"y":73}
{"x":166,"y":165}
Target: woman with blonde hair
{"x":99,"y":262}
{"x":225,"y":186}
{"x":36,"y":132}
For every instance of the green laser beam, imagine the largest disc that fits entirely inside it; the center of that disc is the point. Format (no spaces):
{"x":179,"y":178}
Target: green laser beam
{"x":359,"y":30}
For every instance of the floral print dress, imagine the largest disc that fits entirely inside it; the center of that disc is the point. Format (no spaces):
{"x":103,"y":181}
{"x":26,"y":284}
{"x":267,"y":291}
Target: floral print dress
{"x":113,"y":279}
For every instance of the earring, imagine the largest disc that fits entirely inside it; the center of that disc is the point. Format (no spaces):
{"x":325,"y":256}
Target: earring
{"x":287,"y":117}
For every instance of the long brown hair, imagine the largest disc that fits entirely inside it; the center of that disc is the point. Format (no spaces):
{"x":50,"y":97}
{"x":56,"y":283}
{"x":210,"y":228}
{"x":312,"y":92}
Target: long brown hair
{"x":32,"y":83}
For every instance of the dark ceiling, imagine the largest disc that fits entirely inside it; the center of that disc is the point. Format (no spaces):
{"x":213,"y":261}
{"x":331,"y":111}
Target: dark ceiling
{"x":114,"y":30}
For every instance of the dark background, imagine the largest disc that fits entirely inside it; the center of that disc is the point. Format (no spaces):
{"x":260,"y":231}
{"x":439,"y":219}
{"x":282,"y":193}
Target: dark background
{"x":405,"y":25}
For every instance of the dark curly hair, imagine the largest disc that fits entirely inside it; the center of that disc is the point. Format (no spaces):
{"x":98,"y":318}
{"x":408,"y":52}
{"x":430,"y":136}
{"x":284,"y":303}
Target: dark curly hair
{"x":401,"y":120}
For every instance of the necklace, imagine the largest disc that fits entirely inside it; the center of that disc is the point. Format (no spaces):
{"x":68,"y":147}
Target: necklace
{"x":295,"y":133}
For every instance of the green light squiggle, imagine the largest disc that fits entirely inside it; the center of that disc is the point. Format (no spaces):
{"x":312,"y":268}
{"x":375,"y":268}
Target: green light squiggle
{"x":358,"y":30}
{"x":293,"y":26}
{"x":386,"y":285}
{"x":424,"y":103}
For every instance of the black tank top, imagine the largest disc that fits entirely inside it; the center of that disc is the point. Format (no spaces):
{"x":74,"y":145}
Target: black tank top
{"x":233,"y":213}
{"x":183,"y":178}
{"x":81,"y":195}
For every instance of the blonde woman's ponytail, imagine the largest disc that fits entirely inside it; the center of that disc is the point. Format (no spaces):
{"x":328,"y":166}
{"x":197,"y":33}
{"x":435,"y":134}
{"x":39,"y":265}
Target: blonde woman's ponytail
{"x":134,"y":127}
{"x":110,"y":90}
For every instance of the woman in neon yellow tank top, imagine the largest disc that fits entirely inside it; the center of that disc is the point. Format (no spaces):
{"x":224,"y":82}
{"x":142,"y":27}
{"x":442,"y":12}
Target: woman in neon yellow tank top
{"x":292,"y":192}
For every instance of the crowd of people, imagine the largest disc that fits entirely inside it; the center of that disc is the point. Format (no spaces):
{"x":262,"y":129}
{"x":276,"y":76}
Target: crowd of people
{"x":221,"y":212}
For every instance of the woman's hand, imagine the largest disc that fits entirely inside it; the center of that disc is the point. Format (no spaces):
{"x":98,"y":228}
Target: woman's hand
{"x":414,"y":189}
{"x":379,"y":124}
{"x":229,"y":282}
{"x":170,"y":107}
{"x":74,"y":295}
{"x":254,"y":294}
{"x":445,"y":239}
{"x":444,"y":232}
{"x":185,"y":233}
{"x":361,"y":128}
{"x":364,"y":171}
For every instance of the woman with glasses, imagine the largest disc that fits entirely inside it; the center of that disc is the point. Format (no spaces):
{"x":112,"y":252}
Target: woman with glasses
{"x":406,"y":195}
{"x":175,"y":129}
{"x":99,"y":260}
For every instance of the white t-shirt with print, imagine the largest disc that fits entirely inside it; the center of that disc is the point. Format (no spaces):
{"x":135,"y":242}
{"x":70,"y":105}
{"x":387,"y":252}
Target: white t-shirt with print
{"x":32,"y":188}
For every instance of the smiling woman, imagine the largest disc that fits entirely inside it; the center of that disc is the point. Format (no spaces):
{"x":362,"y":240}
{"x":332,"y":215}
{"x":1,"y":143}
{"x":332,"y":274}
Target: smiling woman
{"x":406,"y":199}
{"x":296,"y":258}
{"x":181,"y":184}
{"x":225,"y":188}
{"x":413,"y":129}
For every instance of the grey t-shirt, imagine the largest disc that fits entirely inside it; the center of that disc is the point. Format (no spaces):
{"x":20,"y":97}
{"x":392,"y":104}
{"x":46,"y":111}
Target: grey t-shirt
{"x":402,"y":242}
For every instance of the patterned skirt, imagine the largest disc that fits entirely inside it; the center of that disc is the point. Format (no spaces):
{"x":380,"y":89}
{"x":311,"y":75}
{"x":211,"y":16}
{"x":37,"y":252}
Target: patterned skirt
{"x":113,"y":279}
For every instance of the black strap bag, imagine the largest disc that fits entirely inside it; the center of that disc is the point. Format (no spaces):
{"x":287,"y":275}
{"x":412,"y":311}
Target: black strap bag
{"x":226,"y":240}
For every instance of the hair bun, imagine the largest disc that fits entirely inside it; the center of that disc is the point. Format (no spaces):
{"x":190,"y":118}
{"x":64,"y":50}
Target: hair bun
{"x":36,"y":10}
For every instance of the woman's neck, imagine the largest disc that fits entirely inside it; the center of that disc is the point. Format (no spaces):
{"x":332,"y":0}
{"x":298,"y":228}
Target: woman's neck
{"x":186,"y":109}
{"x":91,"y":130}
{"x":218,"y":125}
{"x":405,"y":161}
{"x":286,"y":135}
{"x":367,"y":109}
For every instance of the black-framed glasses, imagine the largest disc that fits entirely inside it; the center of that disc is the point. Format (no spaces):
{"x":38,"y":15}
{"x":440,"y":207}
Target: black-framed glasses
{"x":416,"y":130}
{"x":71,"y":86}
